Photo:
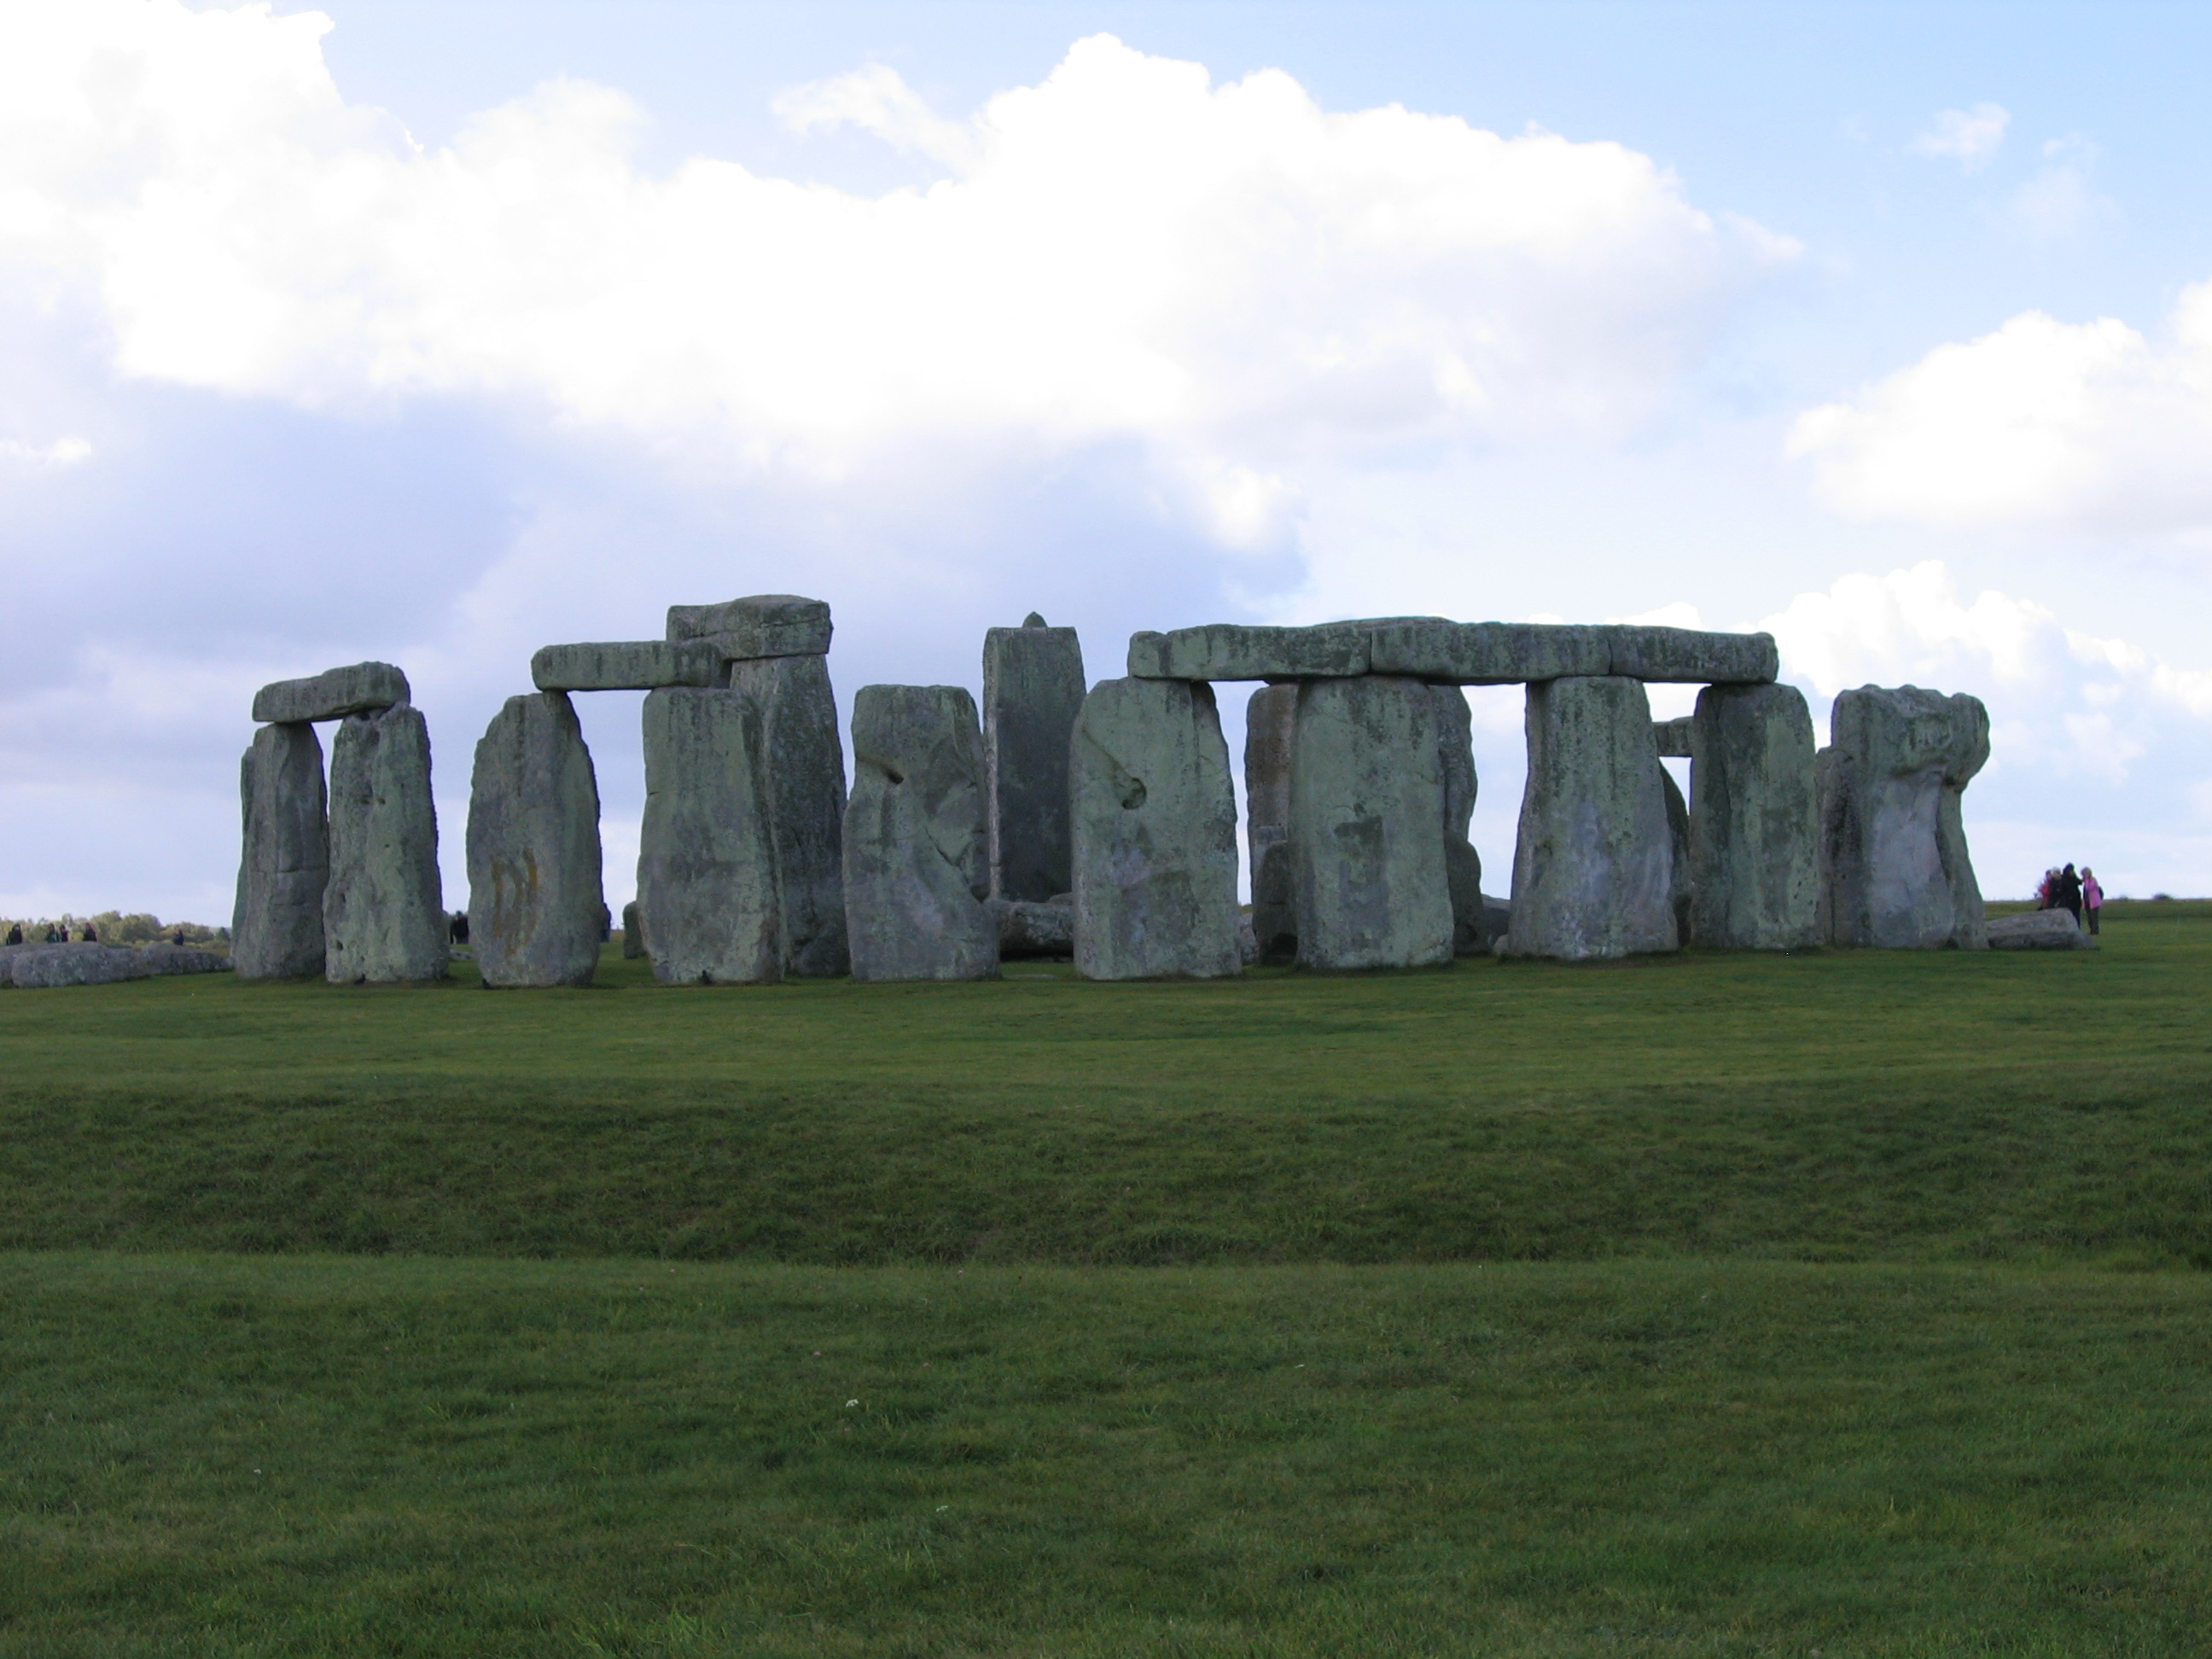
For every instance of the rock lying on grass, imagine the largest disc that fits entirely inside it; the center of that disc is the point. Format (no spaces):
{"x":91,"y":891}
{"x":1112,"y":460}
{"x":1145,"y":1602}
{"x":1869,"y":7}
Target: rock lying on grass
{"x":2039,"y":930}
{"x":40,"y":966}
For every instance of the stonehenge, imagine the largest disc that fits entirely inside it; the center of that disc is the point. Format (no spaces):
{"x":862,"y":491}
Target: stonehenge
{"x":1154,"y":819}
{"x":916,"y":855}
{"x":1099,"y":824}
{"x":1894,"y":870}
{"x":1033,"y":685}
{"x":535,"y":901}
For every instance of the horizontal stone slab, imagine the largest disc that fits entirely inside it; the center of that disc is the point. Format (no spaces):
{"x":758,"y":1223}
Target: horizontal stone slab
{"x":763,"y":625}
{"x":1486,"y":653}
{"x":1674,"y":736}
{"x":1689,"y":657}
{"x":1452,"y":652}
{"x":43,"y":967}
{"x":2039,"y":930}
{"x":332,"y":695}
{"x":626,"y":665}
{"x":1236,"y":650}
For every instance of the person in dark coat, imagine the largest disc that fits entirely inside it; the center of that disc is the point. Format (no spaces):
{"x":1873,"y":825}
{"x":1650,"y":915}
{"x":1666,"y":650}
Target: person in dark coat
{"x":15,"y":934}
{"x":2068,"y":897}
{"x":456,"y":930}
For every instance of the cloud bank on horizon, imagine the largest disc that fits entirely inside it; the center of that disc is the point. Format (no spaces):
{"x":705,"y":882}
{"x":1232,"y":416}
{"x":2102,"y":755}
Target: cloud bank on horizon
{"x":1141,"y":331}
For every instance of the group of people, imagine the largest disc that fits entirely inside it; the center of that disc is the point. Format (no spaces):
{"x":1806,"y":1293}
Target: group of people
{"x":55,"y":934}
{"x":2080,"y":895}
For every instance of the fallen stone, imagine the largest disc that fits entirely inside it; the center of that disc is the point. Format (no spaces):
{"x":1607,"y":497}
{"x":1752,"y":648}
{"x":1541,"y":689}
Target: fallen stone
{"x":1593,"y":869}
{"x":1688,"y":655}
{"x":1033,"y":686}
{"x":1154,"y":834}
{"x":626,"y":665}
{"x":707,"y":898}
{"x":362,"y":689}
{"x":1271,"y":724}
{"x":806,"y":782}
{"x":2039,"y":930}
{"x":763,"y":625}
{"x":1485,"y":653}
{"x":536,"y":910}
{"x":163,"y":959}
{"x":1028,"y":929}
{"x":917,"y":863}
{"x":384,"y":915}
{"x":1234,"y":650}
{"x":284,"y":865}
{"x":1368,"y":826}
{"x":1754,"y":843}
{"x":1673,"y":738}
{"x":46,"y":967}
{"x":633,"y":934}
{"x":1895,"y":869}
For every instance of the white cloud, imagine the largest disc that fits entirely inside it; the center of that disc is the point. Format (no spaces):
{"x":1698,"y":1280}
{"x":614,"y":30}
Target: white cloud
{"x":1227,"y":273}
{"x":1970,"y":136}
{"x":2041,"y":420}
{"x":2058,"y":204}
{"x":63,"y":452}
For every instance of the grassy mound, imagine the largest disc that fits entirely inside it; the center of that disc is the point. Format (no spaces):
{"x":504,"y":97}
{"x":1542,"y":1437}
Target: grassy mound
{"x":1834,"y":1106}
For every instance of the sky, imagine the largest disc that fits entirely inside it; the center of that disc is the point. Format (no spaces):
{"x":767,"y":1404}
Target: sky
{"x":437,"y":332}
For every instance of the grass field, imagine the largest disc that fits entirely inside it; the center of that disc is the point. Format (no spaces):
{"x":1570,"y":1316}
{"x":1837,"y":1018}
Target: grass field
{"x":1850,"y":1303}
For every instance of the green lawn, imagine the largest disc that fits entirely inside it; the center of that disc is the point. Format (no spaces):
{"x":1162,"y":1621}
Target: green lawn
{"x":1847,"y":1304}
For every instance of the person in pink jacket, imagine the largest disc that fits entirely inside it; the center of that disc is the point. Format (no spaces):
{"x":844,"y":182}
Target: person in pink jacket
{"x":2092,"y":897}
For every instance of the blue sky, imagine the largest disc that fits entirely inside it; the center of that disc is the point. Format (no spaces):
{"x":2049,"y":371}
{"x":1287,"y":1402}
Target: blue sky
{"x":448,"y":331}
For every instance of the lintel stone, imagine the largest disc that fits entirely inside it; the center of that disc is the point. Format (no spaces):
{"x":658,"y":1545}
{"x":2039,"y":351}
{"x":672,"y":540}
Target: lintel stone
{"x":363,"y":688}
{"x":763,"y":625}
{"x":625,"y":665}
{"x":1690,"y":657}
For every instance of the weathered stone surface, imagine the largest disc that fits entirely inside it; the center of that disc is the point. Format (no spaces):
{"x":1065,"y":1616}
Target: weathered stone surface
{"x":164,"y":959}
{"x":1485,"y":653}
{"x":917,"y":862}
{"x":1894,"y":870}
{"x":633,"y":934}
{"x":384,"y":917}
{"x":1155,"y":834}
{"x":536,"y":908}
{"x":763,"y":625}
{"x":1593,"y":871}
{"x":1688,"y":655}
{"x":277,"y":929}
{"x":805,"y":785}
{"x":1367,"y":826}
{"x":2038,"y":930}
{"x":361,"y":688}
{"x":1033,"y":686}
{"x":1754,"y":843}
{"x":45,"y":967}
{"x":707,"y":892}
{"x":626,"y":665}
{"x":1028,"y":929}
{"x":1673,"y":738}
{"x":1236,"y":650}
{"x":1471,"y":933}
{"x":1271,"y":724}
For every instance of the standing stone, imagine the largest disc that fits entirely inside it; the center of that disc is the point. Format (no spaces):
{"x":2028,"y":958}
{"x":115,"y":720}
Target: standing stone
{"x":917,"y":864}
{"x":536,"y":908}
{"x":707,"y":891}
{"x":276,"y":927}
{"x":806,"y":784}
{"x":384,"y":913}
{"x":1155,"y":834}
{"x":1032,"y":687}
{"x":1472,"y":931}
{"x":1271,"y":724}
{"x":1894,"y":870}
{"x":1593,"y":870}
{"x":633,"y":934}
{"x":1754,"y":820}
{"x":1367,"y":825}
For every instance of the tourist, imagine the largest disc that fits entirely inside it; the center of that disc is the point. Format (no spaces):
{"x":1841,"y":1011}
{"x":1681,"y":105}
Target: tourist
{"x":50,"y":939}
{"x":179,"y":939}
{"x":2092,"y":896}
{"x":2066,"y":894}
{"x":90,"y":938}
{"x":2046,"y":893}
{"x":15,"y":933}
